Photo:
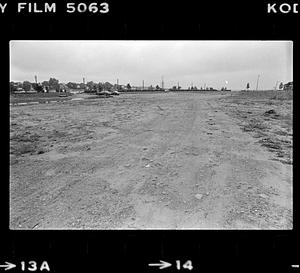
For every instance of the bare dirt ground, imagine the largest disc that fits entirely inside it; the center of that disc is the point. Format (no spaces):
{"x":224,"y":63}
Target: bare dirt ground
{"x":37,"y":97}
{"x":143,"y":161}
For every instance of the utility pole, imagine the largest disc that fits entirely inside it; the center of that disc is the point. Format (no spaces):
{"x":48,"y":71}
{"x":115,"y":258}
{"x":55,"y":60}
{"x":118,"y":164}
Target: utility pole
{"x":276,"y":85}
{"x":257,"y":82}
{"x":35,"y":78}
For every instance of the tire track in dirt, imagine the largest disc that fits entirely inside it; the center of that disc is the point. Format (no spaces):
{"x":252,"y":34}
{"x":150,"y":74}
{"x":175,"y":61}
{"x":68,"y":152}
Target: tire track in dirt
{"x":154,"y":161}
{"x":221,"y":168}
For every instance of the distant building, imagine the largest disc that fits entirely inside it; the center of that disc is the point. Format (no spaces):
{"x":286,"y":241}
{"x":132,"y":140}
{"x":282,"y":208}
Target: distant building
{"x":288,"y":86}
{"x":19,"y":90}
{"x":122,"y":87}
{"x":75,"y":91}
{"x":32,"y":90}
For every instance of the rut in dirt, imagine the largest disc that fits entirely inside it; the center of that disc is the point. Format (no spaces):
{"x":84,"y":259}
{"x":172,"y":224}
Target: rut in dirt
{"x":155,"y":161}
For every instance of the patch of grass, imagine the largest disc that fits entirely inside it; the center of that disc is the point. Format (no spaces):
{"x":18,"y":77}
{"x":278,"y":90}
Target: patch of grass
{"x":282,"y":95}
{"x":270,"y":95}
{"x":18,"y":149}
{"x":280,"y":147}
{"x":270,"y":143}
{"x":25,"y":137}
{"x":254,"y":125}
{"x":22,"y":148}
{"x":267,"y":115}
{"x":37,"y":97}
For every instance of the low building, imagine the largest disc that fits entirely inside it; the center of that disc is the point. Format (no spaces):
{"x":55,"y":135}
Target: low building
{"x":19,"y":90}
{"x":76,"y":91}
{"x":288,"y":86}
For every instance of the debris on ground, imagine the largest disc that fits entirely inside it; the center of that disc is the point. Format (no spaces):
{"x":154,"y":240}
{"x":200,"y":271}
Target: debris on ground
{"x":270,"y":112}
{"x":199,"y":196}
{"x":94,"y":165}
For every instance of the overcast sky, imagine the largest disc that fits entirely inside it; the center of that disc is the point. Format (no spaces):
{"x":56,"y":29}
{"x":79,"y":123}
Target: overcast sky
{"x":199,"y":62}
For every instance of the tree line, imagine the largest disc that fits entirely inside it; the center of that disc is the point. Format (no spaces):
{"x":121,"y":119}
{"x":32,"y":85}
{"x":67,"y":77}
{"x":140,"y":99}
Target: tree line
{"x":39,"y":87}
{"x":54,"y":84}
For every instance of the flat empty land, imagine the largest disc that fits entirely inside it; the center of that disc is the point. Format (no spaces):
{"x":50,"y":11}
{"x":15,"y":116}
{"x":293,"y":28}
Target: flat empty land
{"x":166,"y":161}
{"x":38,"y":97}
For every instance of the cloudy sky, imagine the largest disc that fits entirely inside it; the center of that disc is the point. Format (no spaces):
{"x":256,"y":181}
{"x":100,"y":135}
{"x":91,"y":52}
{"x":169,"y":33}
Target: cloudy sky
{"x":213,"y":63}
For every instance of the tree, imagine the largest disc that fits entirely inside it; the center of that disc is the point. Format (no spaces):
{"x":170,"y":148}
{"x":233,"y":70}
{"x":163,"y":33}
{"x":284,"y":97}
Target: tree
{"x":281,"y":85}
{"x":157,"y":87}
{"x":91,"y":86}
{"x":116,"y":86}
{"x":82,"y":85}
{"x":37,"y":87}
{"x":100,"y":86}
{"x":128,"y":86}
{"x":107,"y":86}
{"x":72,"y":85}
{"x":248,"y":86}
{"x":45,"y":84}
{"x":27,"y":86}
{"x":12,"y":87}
{"x":53,"y":84}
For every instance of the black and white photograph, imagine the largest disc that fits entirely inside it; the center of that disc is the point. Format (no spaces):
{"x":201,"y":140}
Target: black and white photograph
{"x":151,"y":134}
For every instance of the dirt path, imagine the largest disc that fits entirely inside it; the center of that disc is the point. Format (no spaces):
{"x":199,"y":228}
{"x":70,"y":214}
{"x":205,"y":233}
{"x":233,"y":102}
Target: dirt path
{"x":169,"y":161}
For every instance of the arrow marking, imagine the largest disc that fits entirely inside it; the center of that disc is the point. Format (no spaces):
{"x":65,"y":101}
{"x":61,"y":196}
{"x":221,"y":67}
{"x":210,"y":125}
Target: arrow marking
{"x":161,"y":265}
{"x":7,"y":266}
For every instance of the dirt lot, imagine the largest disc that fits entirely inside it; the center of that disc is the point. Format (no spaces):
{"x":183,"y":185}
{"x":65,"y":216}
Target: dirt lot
{"x":140,"y":161}
{"x":38,"y":97}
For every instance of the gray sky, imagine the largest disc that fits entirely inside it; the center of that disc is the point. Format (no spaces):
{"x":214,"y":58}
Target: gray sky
{"x":198,"y":62}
